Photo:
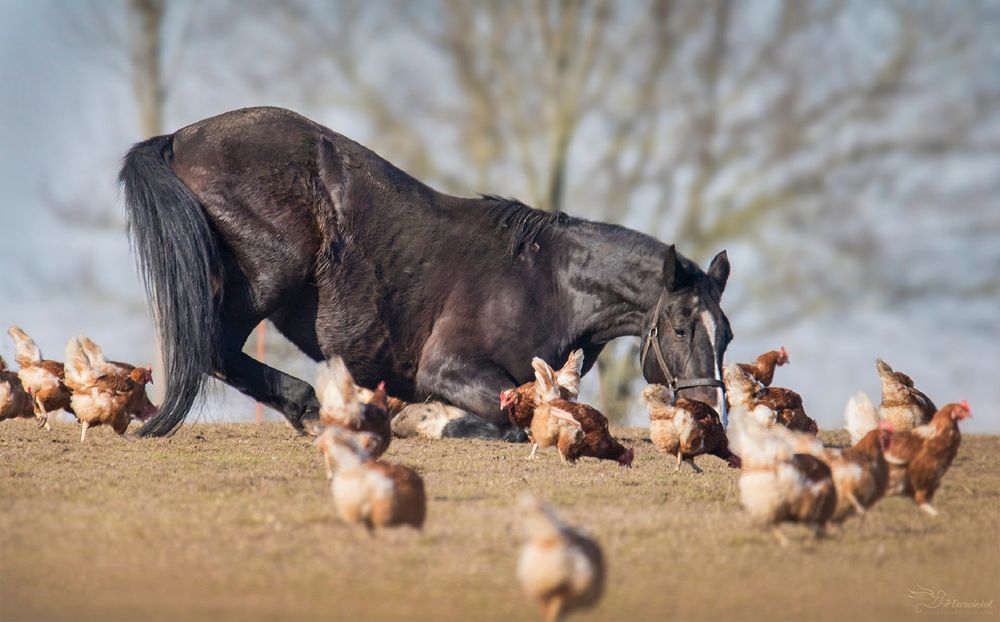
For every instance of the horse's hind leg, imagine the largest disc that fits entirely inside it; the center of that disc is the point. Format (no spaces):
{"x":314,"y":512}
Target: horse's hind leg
{"x":242,"y":310}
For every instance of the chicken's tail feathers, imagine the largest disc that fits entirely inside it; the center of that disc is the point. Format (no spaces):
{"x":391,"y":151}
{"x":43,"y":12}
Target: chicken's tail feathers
{"x":79,"y":371}
{"x":568,"y":376}
{"x":25,"y":349}
{"x":180,"y":263}
{"x":546,"y":386}
{"x":93,"y":351}
{"x":754,"y":442}
{"x":336,"y":390}
{"x":860,"y":416}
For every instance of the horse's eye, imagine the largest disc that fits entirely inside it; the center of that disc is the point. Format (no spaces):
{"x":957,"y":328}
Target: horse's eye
{"x":679,"y":332}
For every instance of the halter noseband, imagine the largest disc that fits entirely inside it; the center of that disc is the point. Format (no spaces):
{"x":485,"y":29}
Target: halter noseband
{"x":676,"y":384}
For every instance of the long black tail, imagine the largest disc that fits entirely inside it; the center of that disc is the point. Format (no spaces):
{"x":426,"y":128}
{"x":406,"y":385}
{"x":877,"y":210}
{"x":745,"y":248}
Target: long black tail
{"x":178,"y":258}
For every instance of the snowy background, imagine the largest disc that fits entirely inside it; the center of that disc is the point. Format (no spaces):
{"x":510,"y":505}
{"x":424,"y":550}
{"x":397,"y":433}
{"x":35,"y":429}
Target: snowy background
{"x":907,"y":271}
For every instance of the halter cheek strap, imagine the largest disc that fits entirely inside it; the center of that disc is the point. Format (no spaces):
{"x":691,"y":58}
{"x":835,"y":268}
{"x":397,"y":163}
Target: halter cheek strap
{"x":674,"y":383}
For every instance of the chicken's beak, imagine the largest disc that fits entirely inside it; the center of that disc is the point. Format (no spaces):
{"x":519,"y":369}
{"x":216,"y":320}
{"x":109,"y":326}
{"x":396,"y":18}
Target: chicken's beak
{"x":965,"y":412}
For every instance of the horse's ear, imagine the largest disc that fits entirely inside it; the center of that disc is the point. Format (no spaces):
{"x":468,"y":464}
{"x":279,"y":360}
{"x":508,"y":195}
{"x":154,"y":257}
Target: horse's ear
{"x":719,"y":269}
{"x":673,"y":270}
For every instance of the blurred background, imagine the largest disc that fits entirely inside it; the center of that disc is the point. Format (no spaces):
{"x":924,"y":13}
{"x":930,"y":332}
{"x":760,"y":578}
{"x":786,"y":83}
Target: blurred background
{"x":847,"y":154}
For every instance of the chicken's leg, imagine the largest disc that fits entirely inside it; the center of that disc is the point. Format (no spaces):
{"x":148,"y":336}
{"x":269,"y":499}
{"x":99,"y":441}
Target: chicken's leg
{"x":42,"y":414}
{"x":534,"y":450}
{"x":928,"y":509}
{"x":553,"y":609}
{"x":329,"y":467}
{"x":680,"y":457}
{"x":860,"y":509}
{"x":782,"y":539}
{"x":694,"y":466}
{"x":83,"y":431}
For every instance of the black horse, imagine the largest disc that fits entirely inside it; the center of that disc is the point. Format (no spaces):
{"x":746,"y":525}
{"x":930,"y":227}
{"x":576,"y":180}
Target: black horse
{"x":261,"y":213}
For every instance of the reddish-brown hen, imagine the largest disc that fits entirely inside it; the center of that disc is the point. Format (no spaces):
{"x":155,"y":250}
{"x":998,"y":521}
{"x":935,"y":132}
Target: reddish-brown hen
{"x":685,"y":428}
{"x":762,"y":369}
{"x":919,"y":458}
{"x":109,"y":399}
{"x":784,"y":406}
{"x":45,"y":379}
{"x":520,"y":403}
{"x":341,"y":405}
{"x":15,"y":401}
{"x":788,"y":409}
{"x":778,"y":484}
{"x":860,"y":474}
{"x":557,"y":415}
{"x":370,"y":492}
{"x":144,"y":408}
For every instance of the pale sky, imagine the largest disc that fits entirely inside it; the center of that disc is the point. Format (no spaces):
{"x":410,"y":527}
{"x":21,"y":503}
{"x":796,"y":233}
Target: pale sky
{"x":65,"y":121}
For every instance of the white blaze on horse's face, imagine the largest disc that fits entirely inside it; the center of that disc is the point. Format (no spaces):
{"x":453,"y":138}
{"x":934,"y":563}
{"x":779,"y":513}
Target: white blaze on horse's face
{"x":713,"y":335}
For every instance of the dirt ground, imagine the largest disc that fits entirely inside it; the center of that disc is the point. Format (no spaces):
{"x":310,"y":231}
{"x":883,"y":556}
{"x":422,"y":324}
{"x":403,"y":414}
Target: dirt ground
{"x":235,"y":522}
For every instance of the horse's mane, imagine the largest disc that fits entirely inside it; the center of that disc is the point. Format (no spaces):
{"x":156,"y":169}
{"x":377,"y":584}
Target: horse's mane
{"x":521,"y":224}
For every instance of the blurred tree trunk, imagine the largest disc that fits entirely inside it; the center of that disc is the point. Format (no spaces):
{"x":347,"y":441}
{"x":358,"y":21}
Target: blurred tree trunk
{"x":145,"y":41}
{"x":145,"y":26}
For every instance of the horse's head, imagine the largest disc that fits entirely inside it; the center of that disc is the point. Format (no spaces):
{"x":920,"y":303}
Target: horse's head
{"x":686,"y":332}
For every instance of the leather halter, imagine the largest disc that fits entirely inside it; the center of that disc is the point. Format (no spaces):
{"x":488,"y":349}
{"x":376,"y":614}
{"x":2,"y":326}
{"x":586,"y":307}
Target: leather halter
{"x":676,"y":384}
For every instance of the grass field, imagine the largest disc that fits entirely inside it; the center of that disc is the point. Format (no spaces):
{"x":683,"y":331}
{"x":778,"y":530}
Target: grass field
{"x":235,"y":522}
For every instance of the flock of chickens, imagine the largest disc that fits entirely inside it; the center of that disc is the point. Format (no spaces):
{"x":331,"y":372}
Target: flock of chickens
{"x":97,"y":391}
{"x":903,"y":447}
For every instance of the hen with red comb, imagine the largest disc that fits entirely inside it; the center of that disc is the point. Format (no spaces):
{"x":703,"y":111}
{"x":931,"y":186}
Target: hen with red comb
{"x":919,"y":458}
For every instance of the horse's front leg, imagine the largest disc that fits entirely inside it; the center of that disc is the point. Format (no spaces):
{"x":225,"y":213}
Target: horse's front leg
{"x":475,"y":387}
{"x":293,"y":398}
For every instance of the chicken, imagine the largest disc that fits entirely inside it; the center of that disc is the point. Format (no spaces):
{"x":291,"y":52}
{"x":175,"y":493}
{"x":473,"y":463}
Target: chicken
{"x":788,"y":409}
{"x":860,"y":473}
{"x":144,"y":408}
{"x":554,"y":419}
{"x":98,"y":361}
{"x":392,"y":405}
{"x":685,"y":428}
{"x":778,"y":484}
{"x":15,"y":401}
{"x":520,"y":403}
{"x":551,"y":426}
{"x":919,"y":458}
{"x":108,"y":399}
{"x":597,"y":439}
{"x":742,"y":390}
{"x":560,"y":569}
{"x":341,"y":406}
{"x":44,"y":379}
{"x":783,"y":406}
{"x":371,"y":492}
{"x":904,"y":406}
{"x":762,"y":369}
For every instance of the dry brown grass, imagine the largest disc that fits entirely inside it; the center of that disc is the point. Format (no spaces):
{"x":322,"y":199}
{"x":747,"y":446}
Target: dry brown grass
{"x":235,"y":522}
